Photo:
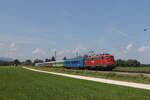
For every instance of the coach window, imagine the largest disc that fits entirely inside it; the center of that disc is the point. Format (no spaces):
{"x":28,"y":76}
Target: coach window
{"x":68,"y":62}
{"x":77,"y":62}
{"x":72,"y":62}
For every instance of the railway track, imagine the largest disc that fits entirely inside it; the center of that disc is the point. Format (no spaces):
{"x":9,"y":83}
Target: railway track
{"x":147,"y":74}
{"x":119,"y":72}
{"x":139,"y":72}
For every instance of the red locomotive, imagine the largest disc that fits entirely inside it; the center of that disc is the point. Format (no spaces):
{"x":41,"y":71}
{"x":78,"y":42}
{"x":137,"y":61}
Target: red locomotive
{"x":102,"y":61}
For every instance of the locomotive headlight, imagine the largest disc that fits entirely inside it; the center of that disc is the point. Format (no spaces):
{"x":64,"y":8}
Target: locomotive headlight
{"x":93,"y":61}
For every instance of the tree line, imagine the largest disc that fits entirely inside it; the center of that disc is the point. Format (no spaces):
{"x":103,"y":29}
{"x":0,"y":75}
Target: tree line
{"x":27,"y":62}
{"x":128,"y":63}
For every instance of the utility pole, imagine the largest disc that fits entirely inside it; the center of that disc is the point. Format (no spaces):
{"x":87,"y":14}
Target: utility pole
{"x":55,"y":54}
{"x":91,"y":53}
{"x":77,"y":54}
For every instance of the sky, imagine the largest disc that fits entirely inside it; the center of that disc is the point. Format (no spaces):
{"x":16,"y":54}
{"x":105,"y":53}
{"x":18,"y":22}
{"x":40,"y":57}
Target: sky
{"x":32,"y":29}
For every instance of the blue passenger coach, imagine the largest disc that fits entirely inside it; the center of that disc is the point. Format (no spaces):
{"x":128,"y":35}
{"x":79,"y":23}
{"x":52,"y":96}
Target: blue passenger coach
{"x":74,"y":63}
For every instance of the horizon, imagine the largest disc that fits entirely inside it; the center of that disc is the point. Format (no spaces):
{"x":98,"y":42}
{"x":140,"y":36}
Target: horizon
{"x":36,"y":29}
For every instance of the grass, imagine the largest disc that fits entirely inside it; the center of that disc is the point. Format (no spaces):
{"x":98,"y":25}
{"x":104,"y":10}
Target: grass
{"x":133,"y":69}
{"x":110,"y":75}
{"x":21,"y":84}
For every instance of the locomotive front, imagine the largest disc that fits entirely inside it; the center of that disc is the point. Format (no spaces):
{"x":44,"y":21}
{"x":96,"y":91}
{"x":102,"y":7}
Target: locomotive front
{"x":102,"y":62}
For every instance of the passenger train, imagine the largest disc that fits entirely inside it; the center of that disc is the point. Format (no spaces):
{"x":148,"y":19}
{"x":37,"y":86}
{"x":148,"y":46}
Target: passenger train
{"x":101,"y":62}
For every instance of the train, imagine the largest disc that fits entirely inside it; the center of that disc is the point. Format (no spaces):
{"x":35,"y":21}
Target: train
{"x":59,"y":63}
{"x":98,"y":62}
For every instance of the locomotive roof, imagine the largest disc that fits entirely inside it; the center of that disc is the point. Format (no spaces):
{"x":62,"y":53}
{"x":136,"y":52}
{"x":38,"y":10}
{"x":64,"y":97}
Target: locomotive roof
{"x":100,"y":55}
{"x":104,"y":54}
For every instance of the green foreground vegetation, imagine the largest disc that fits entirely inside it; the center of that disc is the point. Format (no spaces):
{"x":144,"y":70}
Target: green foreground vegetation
{"x":108,"y":75}
{"x":17,"y":83}
{"x":133,"y":69}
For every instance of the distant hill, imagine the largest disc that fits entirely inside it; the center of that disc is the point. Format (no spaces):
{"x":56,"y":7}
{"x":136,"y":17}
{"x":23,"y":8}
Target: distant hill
{"x":6,"y":59}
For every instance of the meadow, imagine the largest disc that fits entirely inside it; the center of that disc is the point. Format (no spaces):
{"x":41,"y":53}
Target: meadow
{"x":108,"y":75}
{"x":133,"y":69}
{"x":17,"y":83}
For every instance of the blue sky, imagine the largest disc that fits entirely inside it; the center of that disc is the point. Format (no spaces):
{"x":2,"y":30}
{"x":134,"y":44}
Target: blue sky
{"x":36,"y":28}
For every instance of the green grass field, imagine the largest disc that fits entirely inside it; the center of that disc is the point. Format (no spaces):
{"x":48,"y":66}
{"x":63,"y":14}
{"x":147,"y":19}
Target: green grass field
{"x":110,"y":75}
{"x":134,"y":69}
{"x":21,"y":84}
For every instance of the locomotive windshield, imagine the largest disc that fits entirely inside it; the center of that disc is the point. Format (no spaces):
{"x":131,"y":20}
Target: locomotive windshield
{"x":109,"y":57}
{"x":97,"y":58}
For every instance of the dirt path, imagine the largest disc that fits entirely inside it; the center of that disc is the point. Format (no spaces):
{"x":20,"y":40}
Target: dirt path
{"x":101,"y":80}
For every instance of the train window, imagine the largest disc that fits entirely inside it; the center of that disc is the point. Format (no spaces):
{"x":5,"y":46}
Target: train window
{"x":67,"y":62}
{"x":74,"y":62}
{"x":97,"y":58}
{"x":108,"y":57}
{"x":77,"y":62}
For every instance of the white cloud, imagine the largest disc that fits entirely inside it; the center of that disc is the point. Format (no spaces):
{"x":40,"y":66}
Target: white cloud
{"x":38,"y":51}
{"x":69,"y":52}
{"x":13,"y":49}
{"x":53,"y":50}
{"x":12,"y":45}
{"x":80,"y":50}
{"x":1,"y":44}
{"x":14,"y":54}
{"x":123,"y":50}
{"x":64,"y":52}
{"x":143,"y":48}
{"x":129,"y":46}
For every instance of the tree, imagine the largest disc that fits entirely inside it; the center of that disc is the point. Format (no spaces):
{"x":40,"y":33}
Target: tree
{"x":120,"y":62}
{"x":65,"y":58}
{"x":6,"y":63}
{"x":132,"y":62}
{"x":53,"y":58}
{"x":28,"y":62}
{"x":17,"y":62}
{"x":85,"y":56}
{"x":37,"y":61}
{"x":47,"y":60}
{"x":128,"y":63}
